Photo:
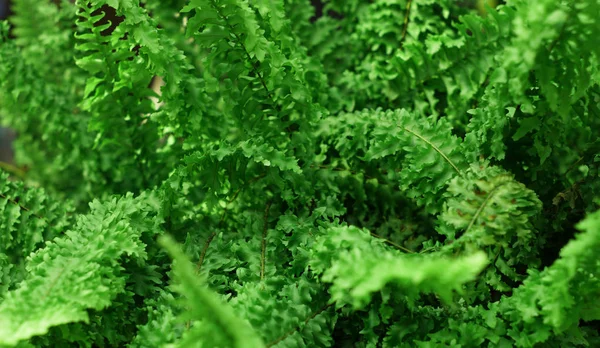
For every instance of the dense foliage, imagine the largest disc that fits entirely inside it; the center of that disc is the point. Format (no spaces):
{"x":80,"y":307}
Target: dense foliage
{"x":252,"y":173}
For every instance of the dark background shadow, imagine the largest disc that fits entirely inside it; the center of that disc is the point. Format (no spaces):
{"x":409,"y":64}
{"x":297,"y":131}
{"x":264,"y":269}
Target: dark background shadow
{"x":3,"y":9}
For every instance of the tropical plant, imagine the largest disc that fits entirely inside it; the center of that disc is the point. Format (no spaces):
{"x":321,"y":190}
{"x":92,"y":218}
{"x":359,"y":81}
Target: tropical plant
{"x":275,"y":173}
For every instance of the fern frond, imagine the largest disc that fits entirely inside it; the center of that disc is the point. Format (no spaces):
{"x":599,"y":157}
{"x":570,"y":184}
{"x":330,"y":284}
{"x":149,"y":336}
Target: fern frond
{"x":30,"y":218}
{"x":264,"y":61}
{"x":44,"y":29}
{"x":162,"y":327}
{"x":536,"y":313}
{"x":432,"y":217}
{"x":491,"y":211}
{"x":51,"y":133}
{"x":365,"y":266}
{"x":565,"y":292}
{"x":287,"y":311}
{"x":233,"y":331}
{"x":551,"y":61}
{"x":79,"y":271}
{"x":429,"y":59}
{"x":425,"y":152}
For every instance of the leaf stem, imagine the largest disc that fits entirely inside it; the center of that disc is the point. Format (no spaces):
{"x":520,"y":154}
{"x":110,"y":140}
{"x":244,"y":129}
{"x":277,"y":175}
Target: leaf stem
{"x":22,"y":207}
{"x":392,"y":243}
{"x":483,"y":205}
{"x":406,"y":21}
{"x":254,"y":68}
{"x":437,"y":149}
{"x":18,"y":172}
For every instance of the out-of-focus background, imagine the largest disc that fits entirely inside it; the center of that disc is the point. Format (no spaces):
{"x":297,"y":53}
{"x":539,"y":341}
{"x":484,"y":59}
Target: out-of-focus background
{"x":3,"y":9}
{"x":6,"y":135}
